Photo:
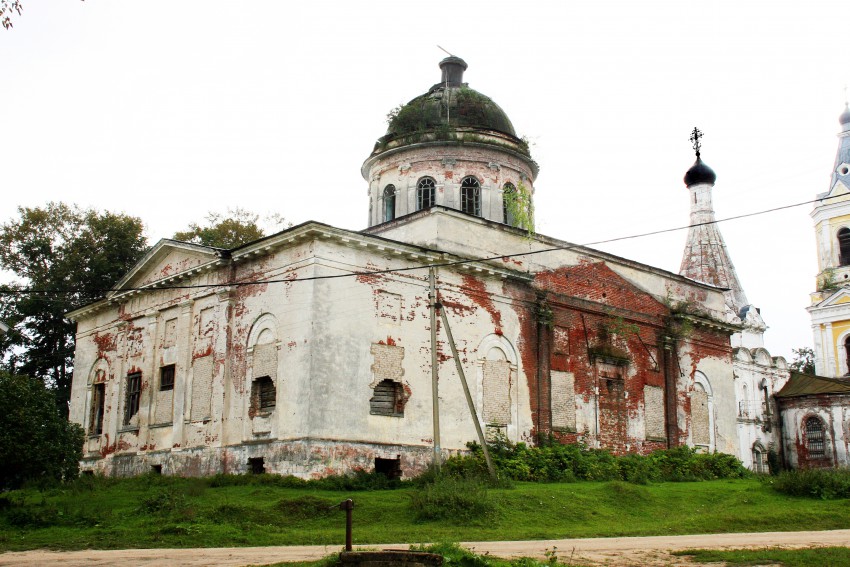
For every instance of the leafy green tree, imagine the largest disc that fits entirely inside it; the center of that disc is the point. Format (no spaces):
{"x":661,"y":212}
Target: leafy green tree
{"x":238,"y":227}
{"x":36,"y":441}
{"x":64,"y":257}
{"x":804,"y":360}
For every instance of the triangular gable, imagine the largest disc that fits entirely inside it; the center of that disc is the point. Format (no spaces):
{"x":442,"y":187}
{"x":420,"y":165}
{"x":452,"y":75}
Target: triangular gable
{"x":838,"y":297}
{"x":165,"y":259}
{"x":595,"y":281}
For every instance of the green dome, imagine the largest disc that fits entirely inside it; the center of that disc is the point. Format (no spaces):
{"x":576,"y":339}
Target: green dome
{"x":453,"y":107}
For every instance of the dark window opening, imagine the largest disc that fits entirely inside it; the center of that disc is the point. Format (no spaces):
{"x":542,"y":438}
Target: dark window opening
{"x":388,"y":399}
{"x":390,"y":468}
{"x":470,"y":196}
{"x":132,"y":397}
{"x":156,"y":469}
{"x":389,"y":203}
{"x":263,"y":395}
{"x":87,"y":473}
{"x":257,"y":465}
{"x":507,"y":217}
{"x":425,"y":193}
{"x":97,"y":403}
{"x":844,"y":246}
{"x":166,"y":378}
{"x":815,"y":438}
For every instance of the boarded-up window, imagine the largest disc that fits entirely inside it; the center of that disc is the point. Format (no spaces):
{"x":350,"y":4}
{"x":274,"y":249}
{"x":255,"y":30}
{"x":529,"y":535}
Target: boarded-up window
{"x":700,"y":417}
{"x":563,"y":401}
{"x":653,"y":412}
{"x":387,"y":399}
{"x":815,"y":438}
{"x":263,"y":394}
{"x":163,"y":413}
{"x":132,"y":396}
{"x":202,"y":371}
{"x":497,"y":392}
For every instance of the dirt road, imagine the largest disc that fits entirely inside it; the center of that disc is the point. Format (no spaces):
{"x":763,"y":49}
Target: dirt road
{"x":618,"y":551}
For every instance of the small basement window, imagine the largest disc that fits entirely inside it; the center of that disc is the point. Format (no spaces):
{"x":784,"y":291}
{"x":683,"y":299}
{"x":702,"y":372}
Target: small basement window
{"x":263,"y":395}
{"x":388,"y":399}
{"x":166,"y":378}
{"x":156,"y":469}
{"x":257,"y":465}
{"x":390,"y":468}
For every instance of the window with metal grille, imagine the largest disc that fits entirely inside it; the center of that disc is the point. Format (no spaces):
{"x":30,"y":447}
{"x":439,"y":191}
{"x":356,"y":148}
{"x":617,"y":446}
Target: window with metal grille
{"x":425,"y":193}
{"x":132,"y":396}
{"x":844,"y":246}
{"x":507,"y":191}
{"x":815,"y":446}
{"x":470,"y":196}
{"x":389,"y":203}
{"x":264,"y":394}
{"x":388,"y":399}
{"x":166,"y":378}
{"x":97,"y":403}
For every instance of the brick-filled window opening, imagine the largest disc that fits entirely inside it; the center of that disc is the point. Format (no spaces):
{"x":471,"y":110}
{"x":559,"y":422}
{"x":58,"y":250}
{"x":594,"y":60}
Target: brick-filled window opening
{"x":97,"y":405}
{"x":507,"y":191}
{"x":389,"y":203}
{"x":844,"y":246}
{"x":470,"y":196}
{"x":815,"y":438}
{"x":166,"y":378}
{"x":132,"y":396}
{"x":263,"y":395}
{"x":425,"y":193}
{"x":388,"y":399}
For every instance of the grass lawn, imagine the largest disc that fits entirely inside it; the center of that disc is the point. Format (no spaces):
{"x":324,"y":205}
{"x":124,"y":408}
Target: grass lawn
{"x":156,"y":511}
{"x":809,"y":557}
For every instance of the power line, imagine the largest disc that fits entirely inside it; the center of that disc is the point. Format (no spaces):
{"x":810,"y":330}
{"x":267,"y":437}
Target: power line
{"x":425,"y":266}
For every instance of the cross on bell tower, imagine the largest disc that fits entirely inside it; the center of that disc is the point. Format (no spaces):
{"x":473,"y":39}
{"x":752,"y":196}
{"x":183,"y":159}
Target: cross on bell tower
{"x":695,"y":137}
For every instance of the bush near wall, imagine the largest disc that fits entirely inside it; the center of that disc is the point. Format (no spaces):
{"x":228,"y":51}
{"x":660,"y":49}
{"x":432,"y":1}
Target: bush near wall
{"x":569,"y":463}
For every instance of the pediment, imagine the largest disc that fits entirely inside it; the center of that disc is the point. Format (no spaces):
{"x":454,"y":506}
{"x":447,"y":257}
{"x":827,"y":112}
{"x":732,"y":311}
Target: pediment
{"x":838,"y":297}
{"x":165,"y":259}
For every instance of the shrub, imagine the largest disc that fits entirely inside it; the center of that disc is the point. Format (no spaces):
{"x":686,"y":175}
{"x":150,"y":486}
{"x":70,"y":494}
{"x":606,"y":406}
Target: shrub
{"x":452,"y":499}
{"x":814,"y":483}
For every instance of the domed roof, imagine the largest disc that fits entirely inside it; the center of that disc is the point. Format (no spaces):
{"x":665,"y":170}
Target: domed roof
{"x":448,"y":104}
{"x":844,"y":119}
{"x":700,"y":173}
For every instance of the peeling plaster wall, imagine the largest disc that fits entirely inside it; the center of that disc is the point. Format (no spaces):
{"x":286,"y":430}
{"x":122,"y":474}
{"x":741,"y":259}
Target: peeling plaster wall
{"x":834,"y":411}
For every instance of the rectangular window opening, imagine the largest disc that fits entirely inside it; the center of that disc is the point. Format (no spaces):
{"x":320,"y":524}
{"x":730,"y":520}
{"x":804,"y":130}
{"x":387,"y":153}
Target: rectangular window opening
{"x":156,"y":469}
{"x":390,"y":468}
{"x":132,"y":396}
{"x":257,"y":465}
{"x":166,"y":378}
{"x":97,"y":405}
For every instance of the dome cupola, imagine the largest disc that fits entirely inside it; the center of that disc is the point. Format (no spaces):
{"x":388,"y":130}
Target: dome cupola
{"x":452,"y":147}
{"x":700,"y":173}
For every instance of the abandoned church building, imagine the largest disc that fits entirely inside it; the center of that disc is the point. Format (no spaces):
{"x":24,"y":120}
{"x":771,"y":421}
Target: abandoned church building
{"x":308,"y":352}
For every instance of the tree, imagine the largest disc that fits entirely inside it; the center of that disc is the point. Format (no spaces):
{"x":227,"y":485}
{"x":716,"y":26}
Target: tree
{"x":65,"y":257}
{"x":804,"y":360}
{"x":239,"y":227}
{"x":36,"y":441}
{"x":7,"y":9}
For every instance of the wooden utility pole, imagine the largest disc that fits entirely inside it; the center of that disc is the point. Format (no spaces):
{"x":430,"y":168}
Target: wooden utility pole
{"x":435,"y":394}
{"x":468,"y":395}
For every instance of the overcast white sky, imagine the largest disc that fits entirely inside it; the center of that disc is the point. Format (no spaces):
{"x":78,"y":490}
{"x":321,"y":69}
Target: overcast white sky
{"x":167,"y":110}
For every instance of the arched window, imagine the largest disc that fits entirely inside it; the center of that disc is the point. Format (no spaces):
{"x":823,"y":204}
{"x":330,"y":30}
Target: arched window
{"x":847,"y":354}
{"x":388,"y":399}
{"x":844,"y":246}
{"x":759,"y":460}
{"x":507,"y":193}
{"x":389,"y":203}
{"x":425,"y":193}
{"x":470,"y":196}
{"x":815,"y":438}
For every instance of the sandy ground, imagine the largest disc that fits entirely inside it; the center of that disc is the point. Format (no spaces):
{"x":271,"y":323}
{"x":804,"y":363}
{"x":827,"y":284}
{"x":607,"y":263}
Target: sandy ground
{"x":617,"y":551}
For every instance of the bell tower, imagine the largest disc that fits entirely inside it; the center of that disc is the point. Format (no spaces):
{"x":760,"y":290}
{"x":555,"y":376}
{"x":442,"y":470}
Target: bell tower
{"x":830,"y":302}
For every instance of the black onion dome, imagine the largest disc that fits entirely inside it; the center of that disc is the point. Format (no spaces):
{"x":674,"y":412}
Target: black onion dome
{"x":845,"y":116}
{"x":700,"y":173}
{"x":467,"y":108}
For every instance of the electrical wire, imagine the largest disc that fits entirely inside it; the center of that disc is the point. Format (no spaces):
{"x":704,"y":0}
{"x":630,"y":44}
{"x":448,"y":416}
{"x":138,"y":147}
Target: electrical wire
{"x":25,"y":291}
